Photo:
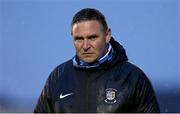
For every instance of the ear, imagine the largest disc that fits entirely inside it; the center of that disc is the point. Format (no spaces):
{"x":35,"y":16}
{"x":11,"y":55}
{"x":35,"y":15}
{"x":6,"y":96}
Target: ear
{"x":108,"y":35}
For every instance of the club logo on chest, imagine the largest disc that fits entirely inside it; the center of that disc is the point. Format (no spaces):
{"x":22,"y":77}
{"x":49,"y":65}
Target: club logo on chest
{"x":110,"y":95}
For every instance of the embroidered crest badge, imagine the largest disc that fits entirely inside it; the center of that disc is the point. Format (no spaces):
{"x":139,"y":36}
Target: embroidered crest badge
{"x":110,"y":95}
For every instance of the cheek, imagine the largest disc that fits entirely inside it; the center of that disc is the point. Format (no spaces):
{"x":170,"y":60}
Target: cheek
{"x":77,"y":46}
{"x":100,"y":47}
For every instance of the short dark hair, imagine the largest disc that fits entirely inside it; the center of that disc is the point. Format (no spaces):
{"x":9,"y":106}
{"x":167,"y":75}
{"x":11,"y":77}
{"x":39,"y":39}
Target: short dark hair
{"x":89,"y":14}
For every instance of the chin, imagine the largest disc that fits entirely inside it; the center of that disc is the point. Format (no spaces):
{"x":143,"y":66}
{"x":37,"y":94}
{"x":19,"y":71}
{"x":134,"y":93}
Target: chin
{"x":88,"y":60}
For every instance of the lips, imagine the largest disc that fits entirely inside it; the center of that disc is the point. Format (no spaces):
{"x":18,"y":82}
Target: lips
{"x":87,"y":54}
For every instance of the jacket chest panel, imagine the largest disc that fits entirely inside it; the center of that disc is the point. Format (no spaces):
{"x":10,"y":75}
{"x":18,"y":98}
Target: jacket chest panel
{"x":94,"y":92}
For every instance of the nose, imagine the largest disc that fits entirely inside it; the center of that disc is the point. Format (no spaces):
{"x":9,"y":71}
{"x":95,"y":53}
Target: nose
{"x":86,"y":45}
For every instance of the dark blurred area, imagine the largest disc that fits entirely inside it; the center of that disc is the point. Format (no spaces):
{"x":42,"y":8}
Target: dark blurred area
{"x":169,"y":102}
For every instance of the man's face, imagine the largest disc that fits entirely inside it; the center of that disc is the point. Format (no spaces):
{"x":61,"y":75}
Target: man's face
{"x":89,"y":40}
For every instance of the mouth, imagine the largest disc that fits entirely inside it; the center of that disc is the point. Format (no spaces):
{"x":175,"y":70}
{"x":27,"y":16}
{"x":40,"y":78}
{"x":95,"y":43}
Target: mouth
{"x":87,"y":54}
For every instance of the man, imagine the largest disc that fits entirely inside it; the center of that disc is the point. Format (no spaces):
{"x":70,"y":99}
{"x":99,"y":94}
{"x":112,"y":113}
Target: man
{"x":99,"y":77}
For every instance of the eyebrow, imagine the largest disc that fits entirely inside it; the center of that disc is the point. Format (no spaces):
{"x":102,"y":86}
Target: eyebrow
{"x":78,"y":37}
{"x":89,"y":36}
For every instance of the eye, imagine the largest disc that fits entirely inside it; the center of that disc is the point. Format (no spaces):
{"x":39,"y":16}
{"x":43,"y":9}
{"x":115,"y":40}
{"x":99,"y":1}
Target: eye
{"x":93,"y":37}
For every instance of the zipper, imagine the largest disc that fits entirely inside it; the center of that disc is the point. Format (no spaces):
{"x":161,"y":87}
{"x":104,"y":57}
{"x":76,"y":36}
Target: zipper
{"x":87,"y":95}
{"x":87,"y":92}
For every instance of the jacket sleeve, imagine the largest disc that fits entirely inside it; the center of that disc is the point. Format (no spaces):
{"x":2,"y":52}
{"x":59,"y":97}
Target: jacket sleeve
{"x":44,"y":104}
{"x":146,"y":101}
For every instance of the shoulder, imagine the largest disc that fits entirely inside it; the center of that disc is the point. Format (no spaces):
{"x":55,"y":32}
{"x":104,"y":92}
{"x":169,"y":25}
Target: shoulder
{"x":54,"y":78}
{"x":131,"y":71}
{"x":129,"y":67}
{"x":138,"y":74}
{"x":59,"y":70}
{"x":63,"y":66}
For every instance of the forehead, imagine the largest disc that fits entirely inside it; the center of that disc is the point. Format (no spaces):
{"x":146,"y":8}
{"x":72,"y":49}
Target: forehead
{"x":86,"y":27}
